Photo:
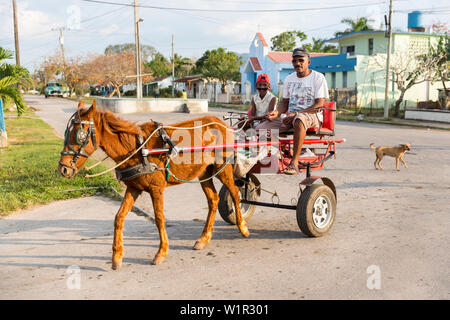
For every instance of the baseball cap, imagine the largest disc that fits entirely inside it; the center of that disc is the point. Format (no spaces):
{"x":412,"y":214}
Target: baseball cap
{"x":302,"y":52}
{"x":263,"y":78}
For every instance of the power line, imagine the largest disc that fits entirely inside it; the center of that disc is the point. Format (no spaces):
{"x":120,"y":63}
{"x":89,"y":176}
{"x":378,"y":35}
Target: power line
{"x":233,"y":10}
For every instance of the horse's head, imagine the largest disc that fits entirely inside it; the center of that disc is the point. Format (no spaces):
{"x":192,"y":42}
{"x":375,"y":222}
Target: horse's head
{"x":80,"y":140}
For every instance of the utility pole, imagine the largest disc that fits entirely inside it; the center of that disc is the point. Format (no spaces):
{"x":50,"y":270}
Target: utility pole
{"x":173,"y":70}
{"x":16,"y":33}
{"x":388,"y":63}
{"x":138,"y":52}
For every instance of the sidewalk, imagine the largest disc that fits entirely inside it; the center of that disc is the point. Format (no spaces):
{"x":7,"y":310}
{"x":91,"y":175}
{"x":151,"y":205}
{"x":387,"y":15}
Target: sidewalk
{"x":404,"y":122}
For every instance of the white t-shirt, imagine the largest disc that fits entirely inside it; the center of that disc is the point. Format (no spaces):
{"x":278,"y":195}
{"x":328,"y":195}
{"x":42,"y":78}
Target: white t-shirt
{"x":262,"y":105}
{"x":302,"y":92}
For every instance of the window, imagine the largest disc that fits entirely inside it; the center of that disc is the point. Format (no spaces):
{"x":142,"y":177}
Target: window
{"x":370,"y":46}
{"x":333,"y":80}
{"x":350,"y":50}
{"x":344,"y":79}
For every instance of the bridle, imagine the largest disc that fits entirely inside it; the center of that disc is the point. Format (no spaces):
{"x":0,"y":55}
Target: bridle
{"x":82,"y":139}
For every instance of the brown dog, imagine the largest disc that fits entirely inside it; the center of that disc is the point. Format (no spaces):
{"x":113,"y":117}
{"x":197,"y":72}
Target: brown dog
{"x":396,"y":152}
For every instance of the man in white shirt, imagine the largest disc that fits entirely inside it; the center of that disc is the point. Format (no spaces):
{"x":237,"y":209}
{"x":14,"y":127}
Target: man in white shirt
{"x":304,"y":93}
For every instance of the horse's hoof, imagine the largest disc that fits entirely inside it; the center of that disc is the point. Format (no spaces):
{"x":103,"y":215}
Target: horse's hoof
{"x":158,"y":260}
{"x":244,"y":231}
{"x":200,"y":245}
{"x":116,"y":264}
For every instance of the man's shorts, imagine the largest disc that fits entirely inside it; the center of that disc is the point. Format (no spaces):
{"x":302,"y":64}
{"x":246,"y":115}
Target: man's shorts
{"x":309,"y":120}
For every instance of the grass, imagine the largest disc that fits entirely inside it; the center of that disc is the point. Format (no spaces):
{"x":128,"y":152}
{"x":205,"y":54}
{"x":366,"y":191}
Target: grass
{"x":28,"y":168}
{"x":238,"y":107}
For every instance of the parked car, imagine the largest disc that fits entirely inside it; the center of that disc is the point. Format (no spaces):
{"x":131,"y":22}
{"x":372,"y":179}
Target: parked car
{"x":53,"y":89}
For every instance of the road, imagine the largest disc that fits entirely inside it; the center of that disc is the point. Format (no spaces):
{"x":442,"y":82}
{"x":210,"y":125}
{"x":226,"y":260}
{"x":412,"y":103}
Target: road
{"x":389,"y":241}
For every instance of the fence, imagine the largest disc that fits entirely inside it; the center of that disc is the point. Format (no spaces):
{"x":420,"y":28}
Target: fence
{"x":344,"y":97}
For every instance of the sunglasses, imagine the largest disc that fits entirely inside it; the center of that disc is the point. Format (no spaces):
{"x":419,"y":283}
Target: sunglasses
{"x":262,"y":89}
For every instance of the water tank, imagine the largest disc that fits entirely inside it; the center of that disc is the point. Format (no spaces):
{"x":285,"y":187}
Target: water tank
{"x":415,"y":21}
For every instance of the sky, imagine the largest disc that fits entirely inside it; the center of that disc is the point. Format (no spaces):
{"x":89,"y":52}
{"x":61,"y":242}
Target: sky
{"x":91,"y":26}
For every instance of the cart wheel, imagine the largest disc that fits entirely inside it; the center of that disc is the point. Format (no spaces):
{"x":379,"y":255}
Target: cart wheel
{"x":316,"y":210}
{"x":226,"y":205}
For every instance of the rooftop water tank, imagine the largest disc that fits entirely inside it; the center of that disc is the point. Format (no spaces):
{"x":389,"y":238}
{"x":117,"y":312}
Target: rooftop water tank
{"x":415,"y":21}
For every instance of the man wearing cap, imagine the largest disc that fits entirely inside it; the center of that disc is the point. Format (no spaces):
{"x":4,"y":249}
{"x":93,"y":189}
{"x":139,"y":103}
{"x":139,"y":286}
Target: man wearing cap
{"x":263,"y":102}
{"x":304,"y":93}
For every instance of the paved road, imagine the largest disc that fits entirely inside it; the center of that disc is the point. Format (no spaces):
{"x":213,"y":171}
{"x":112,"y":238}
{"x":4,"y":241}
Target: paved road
{"x":392,"y":226}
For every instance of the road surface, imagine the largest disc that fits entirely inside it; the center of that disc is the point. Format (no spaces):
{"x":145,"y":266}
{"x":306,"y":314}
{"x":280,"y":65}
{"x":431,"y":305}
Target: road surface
{"x":389,"y":241}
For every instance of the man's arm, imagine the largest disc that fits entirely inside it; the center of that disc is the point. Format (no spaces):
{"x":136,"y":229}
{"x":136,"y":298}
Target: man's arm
{"x":282,"y":108}
{"x":318,"y":103}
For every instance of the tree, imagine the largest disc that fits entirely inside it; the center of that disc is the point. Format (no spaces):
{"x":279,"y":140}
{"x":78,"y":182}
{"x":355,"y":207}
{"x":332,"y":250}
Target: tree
{"x":318,"y":45}
{"x":359,"y":24}
{"x":113,"y":69}
{"x":159,"y":66}
{"x":442,"y":54}
{"x":147,"y":52}
{"x":182,"y":66}
{"x":221,"y":65}
{"x":10,"y":77}
{"x":286,"y":41}
{"x":408,"y":70}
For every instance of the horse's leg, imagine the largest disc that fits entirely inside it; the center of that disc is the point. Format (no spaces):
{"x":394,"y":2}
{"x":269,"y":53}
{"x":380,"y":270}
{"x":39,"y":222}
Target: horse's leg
{"x":213,"y":201}
{"x":158,"y":206}
{"x":127,"y":203}
{"x":227,"y":178}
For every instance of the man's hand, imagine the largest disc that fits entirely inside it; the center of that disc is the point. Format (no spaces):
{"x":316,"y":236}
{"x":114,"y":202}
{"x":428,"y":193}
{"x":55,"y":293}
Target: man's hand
{"x":272,"y":115}
{"x":289,"y":118}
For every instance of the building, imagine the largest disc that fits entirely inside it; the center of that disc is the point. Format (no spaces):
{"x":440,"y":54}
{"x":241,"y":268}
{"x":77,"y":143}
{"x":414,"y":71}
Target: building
{"x":278,"y":65}
{"x":356,"y":75}
{"x":157,"y":84}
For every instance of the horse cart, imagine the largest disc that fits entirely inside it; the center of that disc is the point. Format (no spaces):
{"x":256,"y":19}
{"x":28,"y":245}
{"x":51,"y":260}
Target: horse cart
{"x":146,"y":159}
{"x":316,"y":204}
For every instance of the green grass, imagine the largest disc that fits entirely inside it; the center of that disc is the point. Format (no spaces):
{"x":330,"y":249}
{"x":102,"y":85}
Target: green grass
{"x":28,"y":168}
{"x":238,"y":107}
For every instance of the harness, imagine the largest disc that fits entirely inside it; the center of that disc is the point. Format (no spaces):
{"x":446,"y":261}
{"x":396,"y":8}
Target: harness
{"x":129,"y":173}
{"x":81,"y":138}
{"x":147,"y":167}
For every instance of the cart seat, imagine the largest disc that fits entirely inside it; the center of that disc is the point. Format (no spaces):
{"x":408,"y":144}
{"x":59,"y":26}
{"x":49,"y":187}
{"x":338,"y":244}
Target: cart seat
{"x":327,"y":126}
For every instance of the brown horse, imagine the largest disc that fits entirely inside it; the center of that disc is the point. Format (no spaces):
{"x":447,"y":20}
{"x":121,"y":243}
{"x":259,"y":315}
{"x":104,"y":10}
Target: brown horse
{"x":90,"y":128}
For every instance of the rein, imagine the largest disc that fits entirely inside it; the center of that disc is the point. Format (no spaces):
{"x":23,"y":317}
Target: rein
{"x":82,"y":139}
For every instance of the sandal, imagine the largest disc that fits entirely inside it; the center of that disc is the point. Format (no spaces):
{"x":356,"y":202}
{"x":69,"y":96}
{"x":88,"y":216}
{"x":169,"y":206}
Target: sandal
{"x":291,"y":170}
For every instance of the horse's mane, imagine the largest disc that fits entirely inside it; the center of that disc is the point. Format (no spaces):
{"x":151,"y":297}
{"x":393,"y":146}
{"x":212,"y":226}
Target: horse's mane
{"x":125,"y":130}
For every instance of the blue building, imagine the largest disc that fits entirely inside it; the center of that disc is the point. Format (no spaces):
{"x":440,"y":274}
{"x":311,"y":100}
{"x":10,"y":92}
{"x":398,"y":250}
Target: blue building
{"x":278,"y":65}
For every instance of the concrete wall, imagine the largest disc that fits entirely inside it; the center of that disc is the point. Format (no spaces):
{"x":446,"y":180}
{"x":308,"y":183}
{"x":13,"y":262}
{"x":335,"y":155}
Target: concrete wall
{"x":428,"y":115}
{"x":153,"y":105}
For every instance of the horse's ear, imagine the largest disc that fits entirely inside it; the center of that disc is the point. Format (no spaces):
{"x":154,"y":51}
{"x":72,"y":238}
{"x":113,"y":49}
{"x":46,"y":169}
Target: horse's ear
{"x":80,"y":104}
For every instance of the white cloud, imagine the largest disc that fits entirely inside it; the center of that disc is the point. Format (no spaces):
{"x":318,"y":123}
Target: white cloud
{"x":109,"y":30}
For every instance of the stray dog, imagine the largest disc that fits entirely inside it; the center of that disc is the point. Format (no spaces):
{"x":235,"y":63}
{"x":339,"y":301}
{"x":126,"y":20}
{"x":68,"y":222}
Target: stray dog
{"x":396,"y":152}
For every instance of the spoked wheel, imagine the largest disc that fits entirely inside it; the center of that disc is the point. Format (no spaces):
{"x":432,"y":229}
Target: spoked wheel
{"x":226,"y":205}
{"x":316,"y":210}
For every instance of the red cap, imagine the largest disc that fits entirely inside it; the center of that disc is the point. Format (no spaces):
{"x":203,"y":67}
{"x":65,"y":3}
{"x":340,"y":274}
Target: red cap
{"x":263,"y":78}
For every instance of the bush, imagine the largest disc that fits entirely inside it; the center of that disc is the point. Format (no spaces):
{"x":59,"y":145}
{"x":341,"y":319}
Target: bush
{"x":130,"y":93}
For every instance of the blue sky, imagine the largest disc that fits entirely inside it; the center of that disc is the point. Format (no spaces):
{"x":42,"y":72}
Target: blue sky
{"x":94,"y":26}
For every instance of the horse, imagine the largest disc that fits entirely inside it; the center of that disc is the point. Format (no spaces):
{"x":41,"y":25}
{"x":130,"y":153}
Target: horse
{"x":92,"y":128}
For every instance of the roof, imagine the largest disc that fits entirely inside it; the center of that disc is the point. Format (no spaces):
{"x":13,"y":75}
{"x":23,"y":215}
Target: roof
{"x":357,"y":33}
{"x":261,"y":38}
{"x":255,"y":63}
{"x":286,"y":57}
{"x":190,"y":78}
{"x":352,"y":34}
{"x":156,"y":80}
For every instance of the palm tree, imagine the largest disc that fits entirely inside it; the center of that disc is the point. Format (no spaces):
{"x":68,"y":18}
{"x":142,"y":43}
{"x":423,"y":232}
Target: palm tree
{"x":182,"y":66}
{"x":10,"y":77}
{"x":359,"y":24}
{"x":318,"y":45}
